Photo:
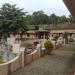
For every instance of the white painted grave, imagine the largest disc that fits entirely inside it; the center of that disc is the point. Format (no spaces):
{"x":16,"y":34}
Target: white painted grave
{"x":16,"y":48}
{"x":11,"y":41}
{"x":38,"y":47}
{"x":22,"y":49}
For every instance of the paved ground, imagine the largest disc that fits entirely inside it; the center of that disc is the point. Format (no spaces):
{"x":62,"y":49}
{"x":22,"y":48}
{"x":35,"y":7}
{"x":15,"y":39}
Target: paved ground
{"x":61,"y":62}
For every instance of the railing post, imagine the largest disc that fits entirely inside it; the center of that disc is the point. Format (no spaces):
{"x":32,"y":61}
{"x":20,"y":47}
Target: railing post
{"x":39,"y":49}
{"x":23,"y":52}
{"x":9,"y":69}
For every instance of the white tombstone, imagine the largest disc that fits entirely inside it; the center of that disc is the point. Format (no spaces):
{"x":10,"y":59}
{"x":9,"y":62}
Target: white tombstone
{"x":38,"y":48}
{"x":11,"y":41}
{"x":60,"y":41}
{"x":51,"y":38}
{"x":22,"y":49}
{"x":42,"y":43}
{"x":16,"y":48}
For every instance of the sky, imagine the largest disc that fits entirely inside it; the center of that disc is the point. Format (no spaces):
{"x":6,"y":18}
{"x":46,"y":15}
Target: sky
{"x":48,"y":6}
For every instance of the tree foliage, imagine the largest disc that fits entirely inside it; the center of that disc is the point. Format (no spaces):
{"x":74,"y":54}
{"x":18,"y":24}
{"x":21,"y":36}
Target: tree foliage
{"x":40,"y":18}
{"x":12,"y":19}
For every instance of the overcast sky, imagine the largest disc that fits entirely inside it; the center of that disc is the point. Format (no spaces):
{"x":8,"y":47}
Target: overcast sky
{"x":48,"y":6}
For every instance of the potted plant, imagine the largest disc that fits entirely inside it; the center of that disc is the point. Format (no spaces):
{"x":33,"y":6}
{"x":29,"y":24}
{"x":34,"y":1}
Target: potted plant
{"x":49,"y":46}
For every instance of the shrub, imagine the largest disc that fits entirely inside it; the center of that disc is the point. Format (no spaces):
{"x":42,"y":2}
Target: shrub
{"x":49,"y":46}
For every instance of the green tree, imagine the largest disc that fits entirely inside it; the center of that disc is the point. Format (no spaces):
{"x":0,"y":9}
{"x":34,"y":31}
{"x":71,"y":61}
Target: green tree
{"x":53,"y":19}
{"x":63,"y":19}
{"x":12,"y":20}
{"x":39,"y":18}
{"x":28,"y":20}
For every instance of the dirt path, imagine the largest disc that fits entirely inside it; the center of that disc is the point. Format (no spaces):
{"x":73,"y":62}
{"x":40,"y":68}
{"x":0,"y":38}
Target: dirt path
{"x":61,"y":62}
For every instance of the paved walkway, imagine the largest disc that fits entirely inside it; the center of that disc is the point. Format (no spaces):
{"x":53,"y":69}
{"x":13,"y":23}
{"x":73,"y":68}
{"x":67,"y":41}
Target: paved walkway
{"x":61,"y":62}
